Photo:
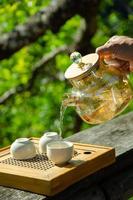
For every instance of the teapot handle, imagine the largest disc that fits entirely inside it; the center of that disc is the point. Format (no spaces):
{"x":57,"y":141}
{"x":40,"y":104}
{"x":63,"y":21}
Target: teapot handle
{"x":109,"y":60}
{"x":112,"y":65}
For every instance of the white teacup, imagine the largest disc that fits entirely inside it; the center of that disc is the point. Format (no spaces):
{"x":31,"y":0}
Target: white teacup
{"x":23,"y":148}
{"x":46,"y":138}
{"x":60,"y":152}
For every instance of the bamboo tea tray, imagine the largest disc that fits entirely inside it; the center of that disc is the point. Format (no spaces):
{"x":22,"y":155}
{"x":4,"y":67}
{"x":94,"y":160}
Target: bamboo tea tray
{"x":40,"y":175}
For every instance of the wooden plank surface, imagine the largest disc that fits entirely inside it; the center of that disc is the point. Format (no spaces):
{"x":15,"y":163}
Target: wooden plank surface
{"x":117,"y":133}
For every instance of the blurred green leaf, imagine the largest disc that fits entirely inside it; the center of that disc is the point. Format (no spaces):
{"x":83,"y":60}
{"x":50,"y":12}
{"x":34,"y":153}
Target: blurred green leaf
{"x":34,"y":112}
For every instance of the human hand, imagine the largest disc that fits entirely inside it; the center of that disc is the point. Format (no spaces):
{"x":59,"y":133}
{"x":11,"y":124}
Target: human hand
{"x":119,"y":49}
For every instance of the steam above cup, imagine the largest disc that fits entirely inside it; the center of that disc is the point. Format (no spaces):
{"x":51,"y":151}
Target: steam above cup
{"x":60,"y":152}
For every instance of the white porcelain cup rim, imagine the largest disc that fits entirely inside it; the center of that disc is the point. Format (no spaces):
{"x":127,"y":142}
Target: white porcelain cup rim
{"x":50,"y":134}
{"x":22,"y":140}
{"x":51,"y":145}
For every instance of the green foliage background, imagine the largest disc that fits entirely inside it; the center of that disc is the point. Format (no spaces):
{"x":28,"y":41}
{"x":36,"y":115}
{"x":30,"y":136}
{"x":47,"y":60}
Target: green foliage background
{"x":34,"y":112}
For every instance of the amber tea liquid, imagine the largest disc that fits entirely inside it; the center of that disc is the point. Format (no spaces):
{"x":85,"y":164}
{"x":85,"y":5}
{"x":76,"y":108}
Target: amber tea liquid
{"x":112,"y":102}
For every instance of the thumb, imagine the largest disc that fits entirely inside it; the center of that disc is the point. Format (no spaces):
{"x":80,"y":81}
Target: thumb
{"x":104,"y":50}
{"x":131,"y":66}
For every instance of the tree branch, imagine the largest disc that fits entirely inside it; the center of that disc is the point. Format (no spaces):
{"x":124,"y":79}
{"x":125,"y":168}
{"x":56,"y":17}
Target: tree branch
{"x":90,"y":15}
{"x":80,"y":43}
{"x":41,"y":63}
{"x":44,"y":61}
{"x":21,"y":87}
{"x":52,"y":17}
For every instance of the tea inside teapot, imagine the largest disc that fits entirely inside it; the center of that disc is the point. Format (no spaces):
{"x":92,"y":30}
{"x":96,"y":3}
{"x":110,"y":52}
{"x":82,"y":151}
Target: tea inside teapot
{"x":99,"y":92}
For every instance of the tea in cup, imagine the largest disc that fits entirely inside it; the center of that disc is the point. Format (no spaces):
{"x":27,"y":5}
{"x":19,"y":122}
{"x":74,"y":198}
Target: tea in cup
{"x":60,"y":152}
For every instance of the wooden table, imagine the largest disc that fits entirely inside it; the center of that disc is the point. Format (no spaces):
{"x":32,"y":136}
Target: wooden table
{"x":111,"y":183}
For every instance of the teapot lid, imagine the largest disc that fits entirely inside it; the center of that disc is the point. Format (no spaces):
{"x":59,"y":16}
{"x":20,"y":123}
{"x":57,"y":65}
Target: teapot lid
{"x":81,"y":66}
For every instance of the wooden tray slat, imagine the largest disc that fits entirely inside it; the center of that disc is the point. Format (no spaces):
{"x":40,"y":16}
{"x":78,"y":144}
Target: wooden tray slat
{"x":41,"y":176}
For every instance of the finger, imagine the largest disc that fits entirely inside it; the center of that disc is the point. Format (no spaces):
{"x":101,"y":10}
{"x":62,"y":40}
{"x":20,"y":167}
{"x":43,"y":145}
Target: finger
{"x":115,"y":51}
{"x":117,"y":39}
{"x":125,"y":66}
{"x":123,"y":52}
{"x":131,"y":66}
{"x":112,"y":62}
{"x":105,"y":50}
{"x":117,"y":62}
{"x":113,"y":38}
{"x":121,"y":65}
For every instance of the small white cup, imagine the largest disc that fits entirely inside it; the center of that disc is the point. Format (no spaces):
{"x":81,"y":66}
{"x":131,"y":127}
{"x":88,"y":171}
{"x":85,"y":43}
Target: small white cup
{"x":22,"y":149}
{"x":46,"y":138}
{"x":60,"y":152}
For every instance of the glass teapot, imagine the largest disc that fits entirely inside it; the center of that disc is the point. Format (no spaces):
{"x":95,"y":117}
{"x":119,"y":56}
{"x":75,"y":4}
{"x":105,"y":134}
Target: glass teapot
{"x":100,"y":90}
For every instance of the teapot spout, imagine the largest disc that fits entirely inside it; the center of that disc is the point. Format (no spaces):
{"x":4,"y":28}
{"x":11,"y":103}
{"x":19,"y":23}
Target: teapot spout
{"x":70,"y":100}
